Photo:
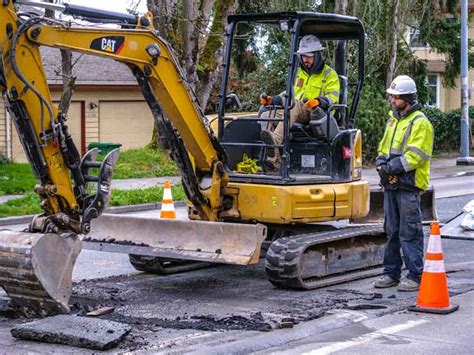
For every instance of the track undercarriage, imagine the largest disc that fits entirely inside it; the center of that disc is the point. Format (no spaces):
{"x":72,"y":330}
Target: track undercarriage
{"x":304,"y":261}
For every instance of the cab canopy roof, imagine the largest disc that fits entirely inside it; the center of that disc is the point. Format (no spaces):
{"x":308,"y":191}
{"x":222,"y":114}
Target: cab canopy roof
{"x":325,"y":26}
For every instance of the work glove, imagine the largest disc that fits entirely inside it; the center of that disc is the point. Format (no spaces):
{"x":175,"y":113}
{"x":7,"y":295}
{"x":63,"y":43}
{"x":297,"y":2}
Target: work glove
{"x":311,"y":104}
{"x":321,"y":102}
{"x":268,"y":100}
{"x":380,"y":160}
{"x":324,"y":102}
{"x":383,"y":173}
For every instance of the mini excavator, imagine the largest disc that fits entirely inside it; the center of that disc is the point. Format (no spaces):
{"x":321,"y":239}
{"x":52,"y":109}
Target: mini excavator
{"x":235,"y":216}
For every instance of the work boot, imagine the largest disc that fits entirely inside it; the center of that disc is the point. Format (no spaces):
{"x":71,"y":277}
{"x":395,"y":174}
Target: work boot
{"x":267,"y":138}
{"x":408,"y":286}
{"x":272,"y":161}
{"x":385,"y":281}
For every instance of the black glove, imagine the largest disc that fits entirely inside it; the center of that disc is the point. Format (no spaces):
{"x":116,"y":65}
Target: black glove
{"x":324,"y":102}
{"x":380,"y":160}
{"x":395,"y":166}
{"x":383,"y":171}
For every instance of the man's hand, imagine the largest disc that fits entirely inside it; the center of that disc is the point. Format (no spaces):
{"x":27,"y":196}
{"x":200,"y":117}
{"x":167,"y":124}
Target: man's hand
{"x":382,"y":170}
{"x":265,"y":99}
{"x":324,"y":102}
{"x":311,"y":104}
{"x":387,"y":174}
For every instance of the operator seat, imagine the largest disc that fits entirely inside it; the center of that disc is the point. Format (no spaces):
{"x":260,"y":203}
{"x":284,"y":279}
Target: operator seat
{"x":318,"y":128}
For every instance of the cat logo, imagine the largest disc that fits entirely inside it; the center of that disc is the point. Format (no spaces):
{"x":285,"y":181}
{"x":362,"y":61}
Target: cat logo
{"x":110,"y":44}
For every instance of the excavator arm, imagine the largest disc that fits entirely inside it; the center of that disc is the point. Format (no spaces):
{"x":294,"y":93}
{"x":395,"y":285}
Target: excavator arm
{"x":43,"y":129}
{"x":36,"y":265}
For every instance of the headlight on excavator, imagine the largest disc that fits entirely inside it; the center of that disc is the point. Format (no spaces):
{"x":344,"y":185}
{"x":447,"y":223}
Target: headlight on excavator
{"x":154,"y":52}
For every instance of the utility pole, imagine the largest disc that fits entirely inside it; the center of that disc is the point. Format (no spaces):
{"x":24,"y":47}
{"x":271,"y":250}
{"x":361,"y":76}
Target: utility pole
{"x":464,"y":159}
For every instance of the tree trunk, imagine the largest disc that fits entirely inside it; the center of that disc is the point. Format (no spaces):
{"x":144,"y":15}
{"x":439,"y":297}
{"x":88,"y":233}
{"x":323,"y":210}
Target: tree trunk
{"x":213,"y":52}
{"x":69,"y":80}
{"x":393,"y":41}
{"x":189,"y":57}
{"x":340,"y":7}
{"x":163,"y":11}
{"x":163,"y":14}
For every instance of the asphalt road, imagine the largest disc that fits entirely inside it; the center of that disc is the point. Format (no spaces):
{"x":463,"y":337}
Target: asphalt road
{"x":232,"y":309}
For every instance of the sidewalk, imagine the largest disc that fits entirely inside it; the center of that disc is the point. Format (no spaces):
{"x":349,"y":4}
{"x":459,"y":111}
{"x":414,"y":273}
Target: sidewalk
{"x":440,"y":168}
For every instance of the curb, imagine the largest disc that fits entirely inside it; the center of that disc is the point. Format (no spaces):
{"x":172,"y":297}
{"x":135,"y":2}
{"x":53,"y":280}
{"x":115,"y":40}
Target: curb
{"x":113,"y":210}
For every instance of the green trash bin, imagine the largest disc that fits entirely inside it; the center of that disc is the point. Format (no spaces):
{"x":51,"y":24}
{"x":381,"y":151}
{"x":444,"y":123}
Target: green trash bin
{"x":104,"y":148}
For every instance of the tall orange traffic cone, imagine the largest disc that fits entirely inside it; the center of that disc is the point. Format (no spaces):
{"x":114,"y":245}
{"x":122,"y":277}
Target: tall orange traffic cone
{"x":433,"y":296}
{"x":167,"y":205}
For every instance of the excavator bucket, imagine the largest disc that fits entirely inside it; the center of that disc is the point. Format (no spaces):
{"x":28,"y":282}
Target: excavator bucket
{"x":36,"y":270}
{"x":428,"y":206}
{"x":215,"y":242}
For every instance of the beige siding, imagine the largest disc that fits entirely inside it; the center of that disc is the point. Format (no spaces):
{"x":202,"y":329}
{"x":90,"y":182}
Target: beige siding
{"x":128,"y":123}
{"x":74,"y":124}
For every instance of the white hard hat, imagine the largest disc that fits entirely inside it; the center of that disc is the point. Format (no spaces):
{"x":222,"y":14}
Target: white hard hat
{"x":309,"y":44}
{"x":402,"y":85}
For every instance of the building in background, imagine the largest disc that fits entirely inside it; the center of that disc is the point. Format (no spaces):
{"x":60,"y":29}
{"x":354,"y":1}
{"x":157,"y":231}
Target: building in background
{"x":107,"y":105}
{"x":445,"y":99}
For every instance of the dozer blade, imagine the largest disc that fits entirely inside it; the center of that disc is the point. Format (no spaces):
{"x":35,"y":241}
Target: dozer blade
{"x":428,"y":206}
{"x":217,"y":242}
{"x":36,"y":269}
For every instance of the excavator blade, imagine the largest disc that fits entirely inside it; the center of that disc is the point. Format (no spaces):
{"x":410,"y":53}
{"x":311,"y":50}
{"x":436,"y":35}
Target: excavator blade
{"x":36,"y":270}
{"x":217,"y":242}
{"x":428,"y":207}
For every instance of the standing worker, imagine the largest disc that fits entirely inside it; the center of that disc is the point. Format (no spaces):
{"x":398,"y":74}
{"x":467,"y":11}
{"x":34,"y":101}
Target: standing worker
{"x":316,"y":85}
{"x":403,"y":164}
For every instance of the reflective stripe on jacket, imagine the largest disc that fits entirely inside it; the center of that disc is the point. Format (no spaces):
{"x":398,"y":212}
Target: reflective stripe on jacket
{"x":311,"y":86}
{"x":408,"y":142}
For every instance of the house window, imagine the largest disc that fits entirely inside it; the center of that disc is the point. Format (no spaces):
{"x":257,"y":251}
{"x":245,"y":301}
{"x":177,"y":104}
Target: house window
{"x":433,"y":85}
{"x":414,"y":37}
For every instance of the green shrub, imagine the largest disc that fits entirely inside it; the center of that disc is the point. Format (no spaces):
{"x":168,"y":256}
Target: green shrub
{"x":372,"y":114}
{"x":447,"y":128}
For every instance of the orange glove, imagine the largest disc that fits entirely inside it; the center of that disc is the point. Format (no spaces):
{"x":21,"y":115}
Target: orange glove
{"x":311,"y":104}
{"x":265,"y":100}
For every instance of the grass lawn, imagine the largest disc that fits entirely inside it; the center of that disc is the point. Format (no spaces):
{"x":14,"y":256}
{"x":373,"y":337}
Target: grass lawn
{"x":30,"y":204}
{"x":144,"y":162}
{"x":18,"y":178}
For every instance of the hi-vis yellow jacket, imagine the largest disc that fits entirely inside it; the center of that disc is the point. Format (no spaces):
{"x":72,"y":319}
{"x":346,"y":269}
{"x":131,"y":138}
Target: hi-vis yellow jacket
{"x":406,"y":146}
{"x":310,"y":86}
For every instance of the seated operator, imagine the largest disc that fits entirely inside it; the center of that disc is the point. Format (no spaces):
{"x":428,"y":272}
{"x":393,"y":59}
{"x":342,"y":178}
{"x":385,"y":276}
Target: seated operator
{"x":316,"y":85}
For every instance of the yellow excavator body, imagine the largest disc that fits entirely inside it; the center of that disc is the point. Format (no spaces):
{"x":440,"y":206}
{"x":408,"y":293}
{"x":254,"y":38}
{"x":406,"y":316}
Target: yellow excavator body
{"x":237,"y":216}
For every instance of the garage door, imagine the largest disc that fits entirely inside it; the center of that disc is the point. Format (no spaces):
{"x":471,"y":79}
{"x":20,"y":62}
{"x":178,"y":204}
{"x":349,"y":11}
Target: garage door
{"x":74,"y":125}
{"x":129,"y":123}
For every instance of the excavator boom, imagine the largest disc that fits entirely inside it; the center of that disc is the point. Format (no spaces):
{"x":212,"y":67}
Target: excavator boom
{"x":36,"y":266}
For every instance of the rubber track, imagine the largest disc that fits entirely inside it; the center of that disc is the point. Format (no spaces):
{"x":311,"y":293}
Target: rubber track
{"x":163,"y":266}
{"x":284,"y":255}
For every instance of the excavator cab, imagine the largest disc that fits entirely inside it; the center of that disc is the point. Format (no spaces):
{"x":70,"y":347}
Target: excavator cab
{"x":320,"y":151}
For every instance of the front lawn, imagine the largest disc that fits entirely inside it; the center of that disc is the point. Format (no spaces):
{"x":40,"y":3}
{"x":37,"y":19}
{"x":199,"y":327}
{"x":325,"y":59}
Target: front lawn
{"x":18,"y":178}
{"x":30,"y":204}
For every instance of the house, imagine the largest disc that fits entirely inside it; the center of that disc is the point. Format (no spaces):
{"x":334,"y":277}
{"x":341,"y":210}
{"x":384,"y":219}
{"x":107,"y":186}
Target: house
{"x":445,"y":99}
{"x":107,"y":105}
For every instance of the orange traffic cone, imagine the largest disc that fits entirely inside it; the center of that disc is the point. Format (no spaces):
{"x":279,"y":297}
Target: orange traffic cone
{"x":433,"y":296}
{"x":167,"y":205}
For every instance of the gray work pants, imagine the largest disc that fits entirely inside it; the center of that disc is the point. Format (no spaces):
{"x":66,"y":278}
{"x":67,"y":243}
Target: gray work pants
{"x":404,"y":228}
